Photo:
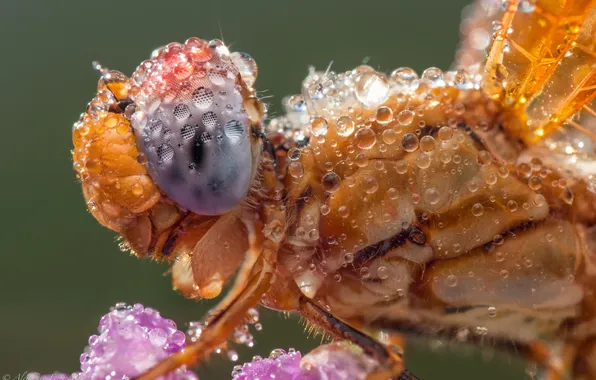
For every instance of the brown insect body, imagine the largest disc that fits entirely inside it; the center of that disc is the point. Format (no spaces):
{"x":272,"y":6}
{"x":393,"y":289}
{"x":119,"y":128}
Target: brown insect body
{"x":456,"y":204}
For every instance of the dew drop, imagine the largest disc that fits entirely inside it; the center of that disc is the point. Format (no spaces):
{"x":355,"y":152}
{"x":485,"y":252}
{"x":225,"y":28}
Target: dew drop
{"x":477,"y":209}
{"x":405,"y":117}
{"x":433,"y":76}
{"x":484,"y":158}
{"x":535,"y":183}
{"x":445,"y":133}
{"x":410,"y":142}
{"x":383,"y":272}
{"x":384,"y":115}
{"x":319,"y":126}
{"x":492,"y":311}
{"x":330,"y":182}
{"x":427,"y":144}
{"x":392,"y":193}
{"x":401,"y":167}
{"x":345,"y":126}
{"x":296,"y":169}
{"x":432,"y":196}
{"x":365,"y":138}
{"x":343,"y":211}
{"x":451,"y":281}
{"x":403,"y":80}
{"x":372,"y":89}
{"x":389,"y":136}
{"x":371,"y":185}
{"x":539,"y":200}
{"x":423,"y":161}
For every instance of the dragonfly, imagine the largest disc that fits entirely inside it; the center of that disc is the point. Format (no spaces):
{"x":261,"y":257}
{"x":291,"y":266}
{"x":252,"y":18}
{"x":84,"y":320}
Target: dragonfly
{"x":457,"y":205}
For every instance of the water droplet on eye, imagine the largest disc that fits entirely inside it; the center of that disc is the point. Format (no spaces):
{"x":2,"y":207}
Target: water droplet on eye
{"x":427,"y":144}
{"x":343,"y":211}
{"x":405,"y":117}
{"x":330,"y":182}
{"x":233,"y":129}
{"x":403,"y":80}
{"x":535,"y":183}
{"x":325,"y":210}
{"x":492,"y":311}
{"x":319,"y":126}
{"x":445,"y":133}
{"x":202,"y":98}
{"x":389,"y":136}
{"x":372,"y":89}
{"x":432,"y":196}
{"x":451,"y":281}
{"x":165,"y":152}
{"x":477,"y":209}
{"x":365,"y":138}
{"x":423,"y":161}
{"x":433,"y":77}
{"x":247,"y":67}
{"x":383,"y":272}
{"x":410,"y":142}
{"x":296,"y":169}
{"x":384,"y":115}
{"x":484,"y":158}
{"x":345,"y":126}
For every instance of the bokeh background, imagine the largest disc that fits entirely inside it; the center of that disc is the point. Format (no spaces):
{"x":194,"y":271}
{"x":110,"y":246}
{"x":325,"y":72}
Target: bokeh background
{"x":60,"y":270}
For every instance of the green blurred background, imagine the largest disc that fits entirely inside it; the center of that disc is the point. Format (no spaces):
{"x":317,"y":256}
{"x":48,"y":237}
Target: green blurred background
{"x":60,"y":270}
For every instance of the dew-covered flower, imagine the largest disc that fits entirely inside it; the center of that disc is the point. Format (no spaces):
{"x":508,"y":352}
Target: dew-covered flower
{"x":335,"y":361}
{"x":131,"y":340}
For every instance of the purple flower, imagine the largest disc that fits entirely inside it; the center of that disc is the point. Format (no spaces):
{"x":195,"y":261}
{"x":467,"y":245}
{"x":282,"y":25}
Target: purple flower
{"x":335,"y":361}
{"x":131,"y":340}
{"x":134,"y":338}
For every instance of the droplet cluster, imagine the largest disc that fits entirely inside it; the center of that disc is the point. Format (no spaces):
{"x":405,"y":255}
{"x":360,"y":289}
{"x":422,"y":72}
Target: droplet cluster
{"x":191,"y":124}
{"x":131,"y":340}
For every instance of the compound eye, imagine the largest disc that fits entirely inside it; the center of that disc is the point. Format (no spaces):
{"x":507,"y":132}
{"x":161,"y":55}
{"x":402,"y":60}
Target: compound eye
{"x":191,"y":125}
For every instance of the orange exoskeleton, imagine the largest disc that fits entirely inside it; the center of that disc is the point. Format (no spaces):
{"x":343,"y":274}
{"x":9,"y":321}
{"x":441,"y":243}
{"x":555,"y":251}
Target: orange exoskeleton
{"x":456,"y":204}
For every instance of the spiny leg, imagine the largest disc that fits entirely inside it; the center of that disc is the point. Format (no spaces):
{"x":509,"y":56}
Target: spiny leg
{"x":391,"y":362}
{"x":222,"y":324}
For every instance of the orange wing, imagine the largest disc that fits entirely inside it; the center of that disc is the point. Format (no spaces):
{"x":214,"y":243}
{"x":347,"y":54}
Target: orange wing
{"x":542,"y":63}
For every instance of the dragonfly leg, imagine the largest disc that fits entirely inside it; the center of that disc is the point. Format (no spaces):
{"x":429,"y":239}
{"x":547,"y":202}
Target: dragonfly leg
{"x":229,"y":314}
{"x":390,"y":360}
